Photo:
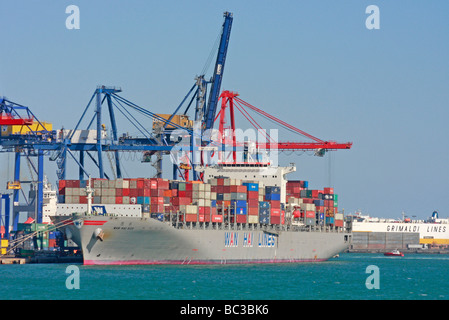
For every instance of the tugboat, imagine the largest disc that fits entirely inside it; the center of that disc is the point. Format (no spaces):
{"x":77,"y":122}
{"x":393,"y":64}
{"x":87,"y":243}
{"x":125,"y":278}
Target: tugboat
{"x":394,"y":253}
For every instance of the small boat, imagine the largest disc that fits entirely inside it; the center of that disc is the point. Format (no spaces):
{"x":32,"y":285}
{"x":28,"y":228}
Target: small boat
{"x":394,"y":253}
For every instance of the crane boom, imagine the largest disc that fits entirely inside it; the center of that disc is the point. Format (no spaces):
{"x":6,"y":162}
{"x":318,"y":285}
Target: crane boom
{"x":209,"y":116}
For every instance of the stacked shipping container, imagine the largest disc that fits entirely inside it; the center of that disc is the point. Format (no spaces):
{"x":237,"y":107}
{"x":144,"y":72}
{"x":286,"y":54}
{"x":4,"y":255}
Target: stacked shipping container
{"x":314,"y":205}
{"x":219,"y":200}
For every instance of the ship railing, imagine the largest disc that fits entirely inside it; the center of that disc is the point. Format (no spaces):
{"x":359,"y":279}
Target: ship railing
{"x":175,"y":221}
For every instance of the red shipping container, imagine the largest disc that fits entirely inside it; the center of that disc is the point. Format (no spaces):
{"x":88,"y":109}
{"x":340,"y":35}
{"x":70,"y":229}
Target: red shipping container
{"x":174,"y":192}
{"x":133,"y":192}
{"x":140,"y":184}
{"x":118,"y":192}
{"x":217,"y":218}
{"x":213,"y":210}
{"x":125,"y":192}
{"x":338,"y":223}
{"x":310,"y":214}
{"x":204,"y":210}
{"x":163,"y":184}
{"x":275,"y":212}
{"x":226,"y":189}
{"x":189,"y":186}
{"x":119,"y":200}
{"x":275,"y":219}
{"x":167,"y":193}
{"x":213,"y":188}
{"x":179,"y":201}
{"x":253,"y":195}
{"x":156,"y":193}
{"x":181,"y":194}
{"x":315,"y":194}
{"x":157,"y":200}
{"x":191,"y":217}
{"x":238,"y":189}
{"x":156,"y":208}
{"x":220,"y":181}
{"x":328,"y":190}
{"x":61,"y":191}
{"x":275,"y":204}
{"x":51,"y":243}
{"x":153,"y":184}
{"x":204,"y":217}
{"x":253,"y":211}
{"x":62,"y":183}
{"x":241,"y":218}
{"x":220,"y":189}
{"x":83,"y":199}
{"x":253,"y":203}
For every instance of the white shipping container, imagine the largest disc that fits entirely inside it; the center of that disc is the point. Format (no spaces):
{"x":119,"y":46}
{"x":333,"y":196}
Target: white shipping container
{"x":307,"y":206}
{"x":338,"y":216}
{"x":253,"y":219}
{"x":191,"y":209}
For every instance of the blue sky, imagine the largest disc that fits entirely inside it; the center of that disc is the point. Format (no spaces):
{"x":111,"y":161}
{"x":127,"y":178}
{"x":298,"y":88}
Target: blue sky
{"x":313,"y":64}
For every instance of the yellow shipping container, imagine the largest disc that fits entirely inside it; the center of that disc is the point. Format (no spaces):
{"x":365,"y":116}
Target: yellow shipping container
{"x":2,"y":250}
{"x":36,"y":127}
{"x":179,"y":119}
{"x":4,"y":243}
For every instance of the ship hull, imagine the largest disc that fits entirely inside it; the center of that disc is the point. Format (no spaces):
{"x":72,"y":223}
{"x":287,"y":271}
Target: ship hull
{"x":132,"y":241}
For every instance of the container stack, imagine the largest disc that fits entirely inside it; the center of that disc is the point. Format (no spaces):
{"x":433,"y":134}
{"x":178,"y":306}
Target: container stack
{"x":220,"y":200}
{"x":314,"y":205}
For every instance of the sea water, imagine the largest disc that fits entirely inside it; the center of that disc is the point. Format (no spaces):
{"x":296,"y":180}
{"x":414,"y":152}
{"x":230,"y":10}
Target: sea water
{"x":351,"y":276}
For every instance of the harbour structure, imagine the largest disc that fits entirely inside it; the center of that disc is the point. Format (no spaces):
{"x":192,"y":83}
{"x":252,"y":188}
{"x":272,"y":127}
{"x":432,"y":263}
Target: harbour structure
{"x":41,"y":140}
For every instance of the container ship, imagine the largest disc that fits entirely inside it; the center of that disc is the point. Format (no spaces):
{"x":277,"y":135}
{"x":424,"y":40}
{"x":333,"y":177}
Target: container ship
{"x":377,"y":233}
{"x":242,"y":213}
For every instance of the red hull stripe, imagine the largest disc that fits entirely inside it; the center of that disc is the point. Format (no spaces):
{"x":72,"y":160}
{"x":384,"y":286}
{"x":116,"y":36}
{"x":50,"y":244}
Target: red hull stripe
{"x":90,"y":223}
{"x":148,"y":262}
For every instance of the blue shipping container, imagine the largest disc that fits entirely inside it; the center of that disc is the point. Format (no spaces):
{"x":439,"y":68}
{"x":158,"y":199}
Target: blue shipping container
{"x":273,"y":196}
{"x":270,"y":190}
{"x":306,"y":184}
{"x":238,"y":203}
{"x":213,"y":203}
{"x":264,"y":204}
{"x":239,"y":210}
{"x":251,"y":186}
{"x":319,"y":203}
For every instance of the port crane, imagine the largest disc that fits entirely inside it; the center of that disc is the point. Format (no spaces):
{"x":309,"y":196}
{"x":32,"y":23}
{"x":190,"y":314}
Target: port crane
{"x":107,"y":101}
